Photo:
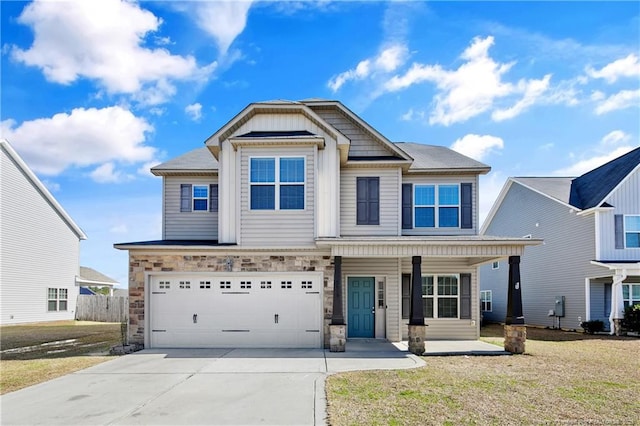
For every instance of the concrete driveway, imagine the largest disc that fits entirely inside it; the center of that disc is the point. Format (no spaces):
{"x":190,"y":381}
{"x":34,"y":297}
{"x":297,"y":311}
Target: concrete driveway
{"x":199,"y":386}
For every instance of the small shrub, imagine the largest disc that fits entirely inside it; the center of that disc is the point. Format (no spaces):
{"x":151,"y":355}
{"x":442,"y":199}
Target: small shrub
{"x":631,"y":320}
{"x":593,"y":326}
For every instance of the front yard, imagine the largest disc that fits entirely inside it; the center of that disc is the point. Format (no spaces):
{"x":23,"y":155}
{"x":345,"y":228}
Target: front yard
{"x":563,"y":378}
{"x":35,"y":353}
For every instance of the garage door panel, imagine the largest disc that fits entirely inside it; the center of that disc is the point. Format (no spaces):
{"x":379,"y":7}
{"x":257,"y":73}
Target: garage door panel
{"x":241,"y":311}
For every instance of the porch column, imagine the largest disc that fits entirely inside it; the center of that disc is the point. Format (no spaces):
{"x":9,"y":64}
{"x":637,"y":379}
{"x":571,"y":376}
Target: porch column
{"x":515,"y":332}
{"x":417,"y":328}
{"x":337,"y":328}
{"x":617,"y":303}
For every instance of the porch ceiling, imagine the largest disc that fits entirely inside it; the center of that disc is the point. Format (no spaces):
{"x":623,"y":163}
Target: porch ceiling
{"x":475,"y":249}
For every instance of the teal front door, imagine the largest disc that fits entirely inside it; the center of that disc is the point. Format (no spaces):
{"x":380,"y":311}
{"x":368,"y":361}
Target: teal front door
{"x":361,"y":307}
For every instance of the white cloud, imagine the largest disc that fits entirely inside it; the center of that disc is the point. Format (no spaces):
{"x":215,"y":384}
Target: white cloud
{"x":600,"y":154}
{"x":119,"y":229}
{"x":51,"y":185}
{"x":625,"y":67}
{"x":107,"y":173}
{"x":103,"y":41}
{"x":223,"y":20}
{"x":388,"y":60}
{"x":465,"y":92}
{"x":597,"y":95}
{"x":85,"y":137}
{"x":621,"y":100}
{"x":532,"y":89}
{"x":477,"y":146}
{"x":194,"y":111}
{"x":412,"y":115}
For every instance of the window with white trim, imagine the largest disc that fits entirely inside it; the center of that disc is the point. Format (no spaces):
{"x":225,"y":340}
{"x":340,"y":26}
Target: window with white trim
{"x":486,"y":299}
{"x":630,"y":294}
{"x":495,"y":265}
{"x":198,"y":197}
{"x":437,"y":206}
{"x":57,"y":299}
{"x":632,"y":231}
{"x":440,"y":295}
{"x":276,"y":183}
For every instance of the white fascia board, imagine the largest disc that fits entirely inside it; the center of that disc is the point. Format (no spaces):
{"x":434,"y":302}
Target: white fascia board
{"x":593,"y":210}
{"x":82,"y":281}
{"x":4,"y":144}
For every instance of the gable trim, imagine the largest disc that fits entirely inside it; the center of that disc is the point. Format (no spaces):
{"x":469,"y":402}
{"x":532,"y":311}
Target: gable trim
{"x":44,"y":192}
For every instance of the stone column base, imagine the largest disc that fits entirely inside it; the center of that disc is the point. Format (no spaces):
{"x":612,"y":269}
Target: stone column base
{"x":417,"y":335}
{"x":515,"y":337}
{"x":337,"y":338}
{"x":617,"y":327}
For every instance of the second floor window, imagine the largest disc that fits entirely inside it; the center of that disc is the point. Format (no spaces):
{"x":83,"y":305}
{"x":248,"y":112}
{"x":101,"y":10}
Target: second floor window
{"x":198,"y":198}
{"x":276,"y":183}
{"x":442,"y":211}
{"x":486,"y":300}
{"x":632,"y":231}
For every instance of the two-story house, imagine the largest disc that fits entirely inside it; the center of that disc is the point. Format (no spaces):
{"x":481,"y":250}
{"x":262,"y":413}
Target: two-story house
{"x":591,"y":252}
{"x":298,"y":214}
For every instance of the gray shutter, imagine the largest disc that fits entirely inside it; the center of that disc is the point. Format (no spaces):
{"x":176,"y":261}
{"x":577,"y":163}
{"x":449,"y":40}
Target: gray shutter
{"x":374,"y":201}
{"x":465,"y":296}
{"x":213,"y":197}
{"x":185,"y":197}
{"x":466,"y":214}
{"x":407,"y":206}
{"x":619,"y":230}
{"x":361,"y":201}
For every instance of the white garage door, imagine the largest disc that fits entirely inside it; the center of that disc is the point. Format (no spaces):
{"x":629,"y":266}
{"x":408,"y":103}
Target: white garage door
{"x":243,"y":311}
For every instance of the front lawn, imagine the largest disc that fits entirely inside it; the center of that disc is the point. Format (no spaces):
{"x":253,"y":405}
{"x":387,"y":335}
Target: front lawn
{"x":35,"y":353}
{"x":563,"y":377}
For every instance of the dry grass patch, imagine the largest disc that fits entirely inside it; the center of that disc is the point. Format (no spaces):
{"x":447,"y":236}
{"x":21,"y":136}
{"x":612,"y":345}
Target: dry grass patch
{"x":34,"y":353}
{"x":572,"y":380}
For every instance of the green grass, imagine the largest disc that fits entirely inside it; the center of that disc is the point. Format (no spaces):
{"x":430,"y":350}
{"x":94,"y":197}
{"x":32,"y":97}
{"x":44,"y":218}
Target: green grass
{"x":563,"y":377}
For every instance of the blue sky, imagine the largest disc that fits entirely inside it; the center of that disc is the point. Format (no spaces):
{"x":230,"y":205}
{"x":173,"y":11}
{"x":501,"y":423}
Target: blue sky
{"x":95,"y":93}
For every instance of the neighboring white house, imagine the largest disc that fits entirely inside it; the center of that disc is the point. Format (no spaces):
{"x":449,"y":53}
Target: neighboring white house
{"x":296,"y":215}
{"x":39,"y":247}
{"x":591,"y":252}
{"x":89,"y":277}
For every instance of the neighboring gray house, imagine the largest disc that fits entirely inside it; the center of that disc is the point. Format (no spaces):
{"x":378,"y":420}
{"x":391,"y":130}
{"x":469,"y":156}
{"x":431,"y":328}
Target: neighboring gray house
{"x":89,"y":277}
{"x":294,"y":208}
{"x":39,"y":247}
{"x":591,"y":252}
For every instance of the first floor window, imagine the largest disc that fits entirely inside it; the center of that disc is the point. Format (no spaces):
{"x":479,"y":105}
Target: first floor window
{"x":632,"y":231}
{"x":630,"y":294}
{"x":485,"y":300}
{"x":440,"y":296}
{"x":57,"y":299}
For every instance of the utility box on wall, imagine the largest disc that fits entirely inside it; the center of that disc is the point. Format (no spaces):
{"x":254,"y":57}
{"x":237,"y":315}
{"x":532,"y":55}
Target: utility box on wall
{"x":559,"y":307}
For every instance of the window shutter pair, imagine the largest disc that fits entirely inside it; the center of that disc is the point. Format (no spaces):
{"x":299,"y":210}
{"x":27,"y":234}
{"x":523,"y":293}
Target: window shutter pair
{"x":465,"y":296}
{"x":466,"y":206}
{"x":619,"y":230}
{"x":185,"y":197}
{"x":367,"y":201}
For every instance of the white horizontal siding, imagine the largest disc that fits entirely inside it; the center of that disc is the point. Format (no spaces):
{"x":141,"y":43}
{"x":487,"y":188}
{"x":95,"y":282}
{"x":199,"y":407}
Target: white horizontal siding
{"x":448,"y":329}
{"x":38,"y":251}
{"x":378,"y":268}
{"x":362,"y":143}
{"x":445,"y":180}
{"x":389,"y":202}
{"x":277,"y":228}
{"x":626,"y":201}
{"x":187,"y":225}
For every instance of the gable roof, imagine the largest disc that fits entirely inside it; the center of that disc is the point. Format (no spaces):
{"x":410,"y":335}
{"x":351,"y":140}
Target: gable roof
{"x":557,"y":188}
{"x":197,"y":161}
{"x":592,"y":188}
{"x":90,"y":275}
{"x":6,"y":147}
{"x":434,"y":158}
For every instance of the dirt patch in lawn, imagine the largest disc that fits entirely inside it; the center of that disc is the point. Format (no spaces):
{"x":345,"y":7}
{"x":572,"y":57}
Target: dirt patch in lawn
{"x":563,"y":378}
{"x":34,"y":353}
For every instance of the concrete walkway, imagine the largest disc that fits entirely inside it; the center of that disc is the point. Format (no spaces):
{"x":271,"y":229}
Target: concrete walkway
{"x":200,"y":386}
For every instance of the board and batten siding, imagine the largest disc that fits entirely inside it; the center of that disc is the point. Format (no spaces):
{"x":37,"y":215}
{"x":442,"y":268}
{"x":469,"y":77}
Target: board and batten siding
{"x":558,"y":267}
{"x":362,"y":142}
{"x":193,"y":225}
{"x":389,"y":202}
{"x":380,"y":268}
{"x":39,"y":250}
{"x":447,"y":328}
{"x":445,"y":180}
{"x":625,"y":201}
{"x":277,"y":228}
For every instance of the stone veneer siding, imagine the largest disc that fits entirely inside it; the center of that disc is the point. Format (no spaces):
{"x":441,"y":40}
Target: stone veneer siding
{"x":139,"y":264}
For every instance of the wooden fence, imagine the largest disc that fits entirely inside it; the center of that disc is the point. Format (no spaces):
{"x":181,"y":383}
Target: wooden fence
{"x":102,"y":308}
